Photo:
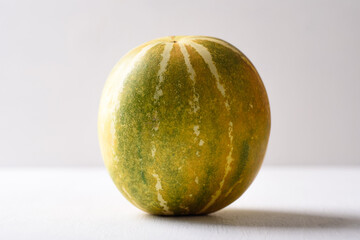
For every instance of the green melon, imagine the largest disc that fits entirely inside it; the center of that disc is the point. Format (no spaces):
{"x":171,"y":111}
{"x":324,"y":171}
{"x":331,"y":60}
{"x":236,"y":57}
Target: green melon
{"x":183,"y":125}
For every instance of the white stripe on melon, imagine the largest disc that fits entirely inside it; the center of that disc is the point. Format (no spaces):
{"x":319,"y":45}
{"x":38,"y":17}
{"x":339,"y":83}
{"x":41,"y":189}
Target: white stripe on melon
{"x":158,"y":93}
{"x":206,"y":55}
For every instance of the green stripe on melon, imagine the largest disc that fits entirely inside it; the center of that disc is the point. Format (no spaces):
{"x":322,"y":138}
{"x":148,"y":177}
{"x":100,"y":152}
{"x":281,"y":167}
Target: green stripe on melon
{"x":183,"y":125}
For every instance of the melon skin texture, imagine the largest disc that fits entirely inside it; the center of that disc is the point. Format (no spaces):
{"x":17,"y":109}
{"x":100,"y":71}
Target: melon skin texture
{"x":183,"y":125}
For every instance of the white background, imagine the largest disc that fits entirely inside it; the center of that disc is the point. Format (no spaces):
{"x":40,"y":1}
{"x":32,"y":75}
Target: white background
{"x":55,"y":57}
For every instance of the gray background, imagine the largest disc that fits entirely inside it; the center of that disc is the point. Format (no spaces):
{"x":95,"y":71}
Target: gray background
{"x":55,"y":57}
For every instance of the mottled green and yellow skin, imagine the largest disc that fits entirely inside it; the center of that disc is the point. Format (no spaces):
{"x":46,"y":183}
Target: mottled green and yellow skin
{"x":184,"y":124}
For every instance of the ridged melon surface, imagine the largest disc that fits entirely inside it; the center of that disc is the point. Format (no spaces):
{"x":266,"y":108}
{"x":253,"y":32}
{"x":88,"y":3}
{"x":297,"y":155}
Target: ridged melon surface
{"x":183,"y":125}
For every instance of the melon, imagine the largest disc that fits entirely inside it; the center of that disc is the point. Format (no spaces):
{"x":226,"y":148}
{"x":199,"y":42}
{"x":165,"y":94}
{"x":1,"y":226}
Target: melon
{"x":183,"y":125}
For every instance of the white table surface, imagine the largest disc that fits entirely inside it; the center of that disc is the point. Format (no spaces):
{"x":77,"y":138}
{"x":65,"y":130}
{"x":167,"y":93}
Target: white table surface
{"x":282,"y":203}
